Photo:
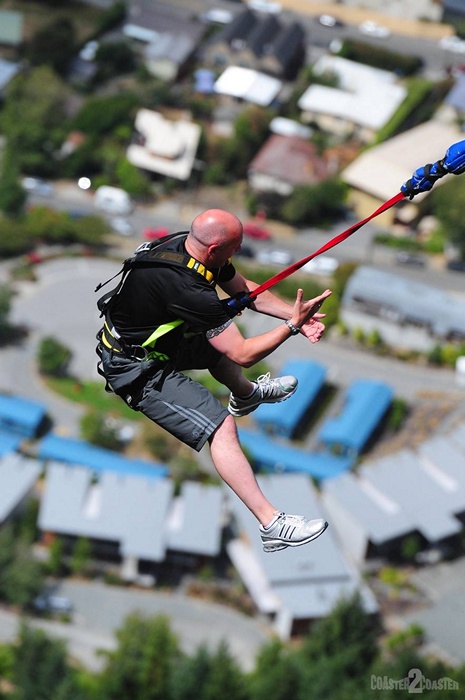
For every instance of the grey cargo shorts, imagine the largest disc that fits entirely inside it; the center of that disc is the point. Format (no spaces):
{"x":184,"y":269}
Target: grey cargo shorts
{"x":175,"y":402}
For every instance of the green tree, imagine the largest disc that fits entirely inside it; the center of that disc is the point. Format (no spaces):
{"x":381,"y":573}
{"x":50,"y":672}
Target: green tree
{"x":347,"y":633}
{"x":7,"y":547}
{"x":55,"y":565}
{"x":191,"y":675}
{"x":96,"y":430}
{"x":53,"y":357}
{"x":40,"y":670}
{"x":114,"y":58}
{"x":5,"y":308}
{"x":81,"y":555}
{"x":315,"y":205}
{"x":12,"y":195}
{"x":53,"y":45}
{"x":32,"y":118}
{"x":14,"y":240}
{"x":447,"y":203}
{"x":22,"y":579}
{"x":225,"y":678}
{"x":277,"y":675}
{"x":142,"y":666}
{"x":101,"y":115}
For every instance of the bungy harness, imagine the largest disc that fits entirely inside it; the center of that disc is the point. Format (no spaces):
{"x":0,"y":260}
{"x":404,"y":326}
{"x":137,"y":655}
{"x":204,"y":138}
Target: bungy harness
{"x":146,"y":254}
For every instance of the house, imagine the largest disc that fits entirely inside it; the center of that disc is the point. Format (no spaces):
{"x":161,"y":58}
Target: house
{"x":379,"y":172}
{"x":276,"y":456}
{"x":123,"y":511}
{"x":21,"y":417}
{"x":362,"y":103}
{"x":412,"y":492}
{"x":425,"y":314}
{"x":18,"y":477}
{"x":163,"y":146}
{"x":248,"y":85}
{"x":304,"y":583}
{"x":96,"y":459}
{"x":285,"y":162}
{"x":168,"y":56}
{"x":11,"y":28}
{"x":169,"y":36}
{"x":366,"y":402}
{"x":258,"y":42}
{"x":271,"y":418}
{"x":132,"y":518}
{"x":453,"y":11}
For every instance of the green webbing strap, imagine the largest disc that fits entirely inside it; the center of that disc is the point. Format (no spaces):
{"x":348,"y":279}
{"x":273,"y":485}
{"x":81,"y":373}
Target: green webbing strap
{"x":158,"y":332}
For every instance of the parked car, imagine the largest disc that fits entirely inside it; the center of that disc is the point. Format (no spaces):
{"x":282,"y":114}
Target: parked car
{"x":274,"y":257}
{"x":321,"y":265}
{"x":38,"y":186}
{"x":51,"y":603}
{"x":456,"y":265}
{"x":452,"y":43}
{"x":217,"y":16}
{"x":113,"y":200}
{"x":267,"y":6}
{"x":151,"y":234}
{"x":89,"y":51}
{"x":404,"y":258}
{"x":245,"y":251}
{"x":370,"y":28}
{"x":121,"y":226}
{"x":254,"y":231}
{"x":329,"y":21}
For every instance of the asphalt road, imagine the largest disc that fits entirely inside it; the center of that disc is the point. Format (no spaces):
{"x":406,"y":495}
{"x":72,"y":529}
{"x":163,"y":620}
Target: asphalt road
{"x":99,"y":610}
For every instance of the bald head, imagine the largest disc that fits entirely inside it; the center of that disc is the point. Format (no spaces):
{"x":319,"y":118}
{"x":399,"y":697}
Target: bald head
{"x":215,"y":227}
{"x":214,"y":236}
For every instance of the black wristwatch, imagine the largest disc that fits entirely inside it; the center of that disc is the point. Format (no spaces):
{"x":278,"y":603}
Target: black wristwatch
{"x":294,"y":330}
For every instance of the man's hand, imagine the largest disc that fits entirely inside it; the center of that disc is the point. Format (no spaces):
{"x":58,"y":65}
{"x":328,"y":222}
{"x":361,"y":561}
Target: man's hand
{"x":306,"y":317}
{"x":313,"y":329}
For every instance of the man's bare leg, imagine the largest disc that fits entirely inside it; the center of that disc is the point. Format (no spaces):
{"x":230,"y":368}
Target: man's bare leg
{"x":235,"y":470}
{"x":230,"y":374}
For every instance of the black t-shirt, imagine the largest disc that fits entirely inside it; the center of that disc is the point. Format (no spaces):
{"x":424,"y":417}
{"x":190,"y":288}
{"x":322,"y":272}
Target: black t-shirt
{"x":156,"y":294}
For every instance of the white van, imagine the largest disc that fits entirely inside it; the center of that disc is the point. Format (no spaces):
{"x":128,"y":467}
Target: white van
{"x":113,"y":200}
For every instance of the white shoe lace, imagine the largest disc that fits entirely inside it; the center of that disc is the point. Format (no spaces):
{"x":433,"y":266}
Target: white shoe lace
{"x":297,"y":519}
{"x":264,"y":378}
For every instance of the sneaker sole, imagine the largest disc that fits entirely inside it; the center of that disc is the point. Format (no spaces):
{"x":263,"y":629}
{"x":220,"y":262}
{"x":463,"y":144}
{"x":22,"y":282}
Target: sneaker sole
{"x":241,"y":412}
{"x":277,"y":545}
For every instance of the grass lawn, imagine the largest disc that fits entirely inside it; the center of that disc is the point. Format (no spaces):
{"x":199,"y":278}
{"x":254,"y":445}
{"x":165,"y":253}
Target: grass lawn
{"x":93,"y":395}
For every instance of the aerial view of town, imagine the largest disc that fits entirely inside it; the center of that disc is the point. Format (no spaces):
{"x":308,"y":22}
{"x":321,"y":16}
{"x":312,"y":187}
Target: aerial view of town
{"x":327,"y":137}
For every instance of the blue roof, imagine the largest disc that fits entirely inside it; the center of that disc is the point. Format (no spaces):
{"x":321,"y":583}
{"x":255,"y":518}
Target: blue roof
{"x":9,"y":443}
{"x":365,"y":404}
{"x":204,"y":81}
{"x":81,"y":453}
{"x":271,"y":456}
{"x":285,"y":419}
{"x":20,"y":416}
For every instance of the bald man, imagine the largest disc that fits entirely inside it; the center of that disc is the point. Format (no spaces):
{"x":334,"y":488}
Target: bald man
{"x":168,"y":318}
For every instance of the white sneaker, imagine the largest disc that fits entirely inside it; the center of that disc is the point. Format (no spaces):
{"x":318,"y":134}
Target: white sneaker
{"x":268,"y":391}
{"x":290,"y":531}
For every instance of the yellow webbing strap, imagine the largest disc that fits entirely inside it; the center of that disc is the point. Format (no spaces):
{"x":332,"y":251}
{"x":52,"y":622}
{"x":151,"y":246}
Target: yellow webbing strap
{"x":194,"y":264}
{"x":161,"y":330}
